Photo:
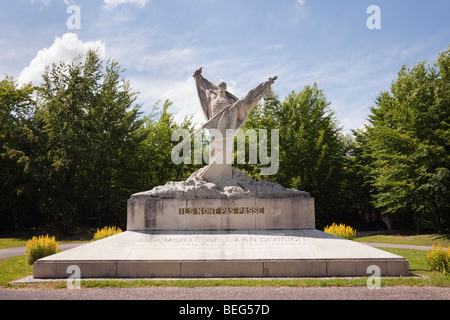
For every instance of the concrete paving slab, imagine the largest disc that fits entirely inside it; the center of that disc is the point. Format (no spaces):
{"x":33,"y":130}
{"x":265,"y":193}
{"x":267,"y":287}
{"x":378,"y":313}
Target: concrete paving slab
{"x":232,"y":253}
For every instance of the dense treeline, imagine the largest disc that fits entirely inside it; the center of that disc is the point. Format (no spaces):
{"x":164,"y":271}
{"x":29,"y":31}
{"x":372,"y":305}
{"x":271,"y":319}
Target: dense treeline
{"x":75,"y":148}
{"x":404,"y":153}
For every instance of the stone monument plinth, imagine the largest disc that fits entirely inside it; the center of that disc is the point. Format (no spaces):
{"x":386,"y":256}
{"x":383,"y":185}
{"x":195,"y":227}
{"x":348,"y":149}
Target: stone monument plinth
{"x":221,"y":231}
{"x":241,"y":203}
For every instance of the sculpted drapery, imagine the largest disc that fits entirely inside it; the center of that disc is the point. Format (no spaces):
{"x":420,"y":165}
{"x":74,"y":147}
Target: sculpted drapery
{"x":225,"y":114}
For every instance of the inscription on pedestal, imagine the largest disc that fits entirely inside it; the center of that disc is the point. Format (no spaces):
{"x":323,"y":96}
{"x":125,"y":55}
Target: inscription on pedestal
{"x":223,"y":210}
{"x":220,"y":245}
{"x":255,"y":239}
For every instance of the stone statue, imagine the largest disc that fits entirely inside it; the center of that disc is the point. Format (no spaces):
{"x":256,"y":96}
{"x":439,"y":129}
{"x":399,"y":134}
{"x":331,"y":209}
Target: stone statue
{"x":226,"y":115}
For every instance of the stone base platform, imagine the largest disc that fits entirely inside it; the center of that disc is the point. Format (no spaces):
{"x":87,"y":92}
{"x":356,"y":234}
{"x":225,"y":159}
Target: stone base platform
{"x":213,"y":254}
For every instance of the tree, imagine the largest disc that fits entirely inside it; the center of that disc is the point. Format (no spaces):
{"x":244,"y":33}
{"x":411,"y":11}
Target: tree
{"x":155,"y":162}
{"x":88,"y":116}
{"x":359,"y":184}
{"x":17,"y":145}
{"x":408,"y":139}
{"x":73,"y":150}
{"x":312,"y":148}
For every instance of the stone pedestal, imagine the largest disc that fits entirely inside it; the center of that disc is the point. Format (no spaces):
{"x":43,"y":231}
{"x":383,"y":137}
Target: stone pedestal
{"x":194,"y":229}
{"x":146,"y":214}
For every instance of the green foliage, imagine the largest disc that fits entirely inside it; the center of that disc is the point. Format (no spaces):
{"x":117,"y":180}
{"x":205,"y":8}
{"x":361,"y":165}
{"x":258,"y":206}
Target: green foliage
{"x":312,"y":147}
{"x":88,"y":124}
{"x":155,"y":163}
{"x":40,"y":247}
{"x":73,"y":155}
{"x":407,"y":144}
{"x":18,"y":143}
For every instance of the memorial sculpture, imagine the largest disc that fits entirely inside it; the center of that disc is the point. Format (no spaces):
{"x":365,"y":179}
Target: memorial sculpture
{"x":220,"y":222}
{"x":226,"y":114}
{"x":218,"y":188}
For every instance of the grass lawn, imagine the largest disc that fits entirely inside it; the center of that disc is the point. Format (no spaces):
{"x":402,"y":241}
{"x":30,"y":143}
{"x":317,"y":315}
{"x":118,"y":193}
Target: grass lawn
{"x":416,"y":240}
{"x":16,"y":268}
{"x":12,"y":242}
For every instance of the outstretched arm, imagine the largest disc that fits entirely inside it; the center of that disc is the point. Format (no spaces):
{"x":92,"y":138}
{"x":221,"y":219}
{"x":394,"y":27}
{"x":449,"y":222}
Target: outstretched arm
{"x":204,"y":88}
{"x":251,"y":100}
{"x":198,"y":72}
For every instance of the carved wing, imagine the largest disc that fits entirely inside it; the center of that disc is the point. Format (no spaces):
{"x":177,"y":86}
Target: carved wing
{"x":203,"y":85}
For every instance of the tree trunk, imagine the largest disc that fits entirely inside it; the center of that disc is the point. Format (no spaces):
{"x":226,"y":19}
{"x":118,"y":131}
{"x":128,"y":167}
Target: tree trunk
{"x":437,"y":217}
{"x":416,"y":220}
{"x":67,"y":225}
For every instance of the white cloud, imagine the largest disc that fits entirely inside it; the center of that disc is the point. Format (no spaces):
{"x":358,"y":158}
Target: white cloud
{"x":109,"y":4}
{"x":114,"y":3}
{"x":274,"y":47}
{"x":45,"y":4}
{"x":300,"y":4}
{"x":300,"y":11}
{"x":63,"y":49}
{"x":183,"y":95}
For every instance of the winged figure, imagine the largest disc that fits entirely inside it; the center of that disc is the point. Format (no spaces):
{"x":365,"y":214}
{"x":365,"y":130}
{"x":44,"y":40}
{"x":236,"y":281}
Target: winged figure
{"x":224,"y":113}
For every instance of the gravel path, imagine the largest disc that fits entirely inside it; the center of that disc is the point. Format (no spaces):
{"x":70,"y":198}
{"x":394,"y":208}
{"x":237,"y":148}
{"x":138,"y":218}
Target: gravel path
{"x":19,"y":251}
{"x":400,"y":246}
{"x":231,"y":293}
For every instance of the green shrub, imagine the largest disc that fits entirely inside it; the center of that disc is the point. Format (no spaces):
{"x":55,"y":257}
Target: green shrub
{"x":40,"y":247}
{"x":341,"y":230}
{"x":106,"y":232}
{"x":439,"y":259}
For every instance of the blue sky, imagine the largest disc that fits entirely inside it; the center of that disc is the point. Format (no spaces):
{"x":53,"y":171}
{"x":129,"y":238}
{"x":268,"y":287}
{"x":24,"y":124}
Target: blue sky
{"x":161,"y":43}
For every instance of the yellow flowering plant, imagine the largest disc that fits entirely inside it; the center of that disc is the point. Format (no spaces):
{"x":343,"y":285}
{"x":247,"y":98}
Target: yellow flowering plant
{"x":106,"y":232}
{"x":40,"y":247}
{"x":341,"y":230}
{"x":439,"y":259}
